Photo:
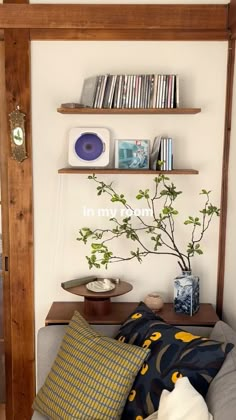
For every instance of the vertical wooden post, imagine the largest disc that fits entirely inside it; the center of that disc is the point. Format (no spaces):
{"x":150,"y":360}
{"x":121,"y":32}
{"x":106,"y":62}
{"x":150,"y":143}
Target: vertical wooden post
{"x":20,"y":233}
{"x":224,"y":178}
{"x":4,"y":151}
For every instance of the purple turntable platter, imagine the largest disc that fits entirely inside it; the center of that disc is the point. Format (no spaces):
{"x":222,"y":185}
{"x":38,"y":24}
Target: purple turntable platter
{"x":89,"y":146}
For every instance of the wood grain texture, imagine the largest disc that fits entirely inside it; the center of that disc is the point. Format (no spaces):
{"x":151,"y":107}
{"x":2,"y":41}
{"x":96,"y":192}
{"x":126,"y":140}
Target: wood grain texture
{"x":129,"y":34}
{"x":114,"y":16}
{"x":1,"y":309}
{"x":2,"y":374}
{"x":62,"y":312}
{"x":232,"y":18}
{"x":2,"y":412}
{"x":174,"y":111}
{"x":224,"y":179}
{"x":120,"y":289}
{"x":4,"y":153}
{"x":125,"y":171}
{"x":20,"y":214}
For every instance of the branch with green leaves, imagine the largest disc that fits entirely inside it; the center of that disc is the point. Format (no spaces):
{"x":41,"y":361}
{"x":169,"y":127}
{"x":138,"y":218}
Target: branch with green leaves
{"x":156,"y":236}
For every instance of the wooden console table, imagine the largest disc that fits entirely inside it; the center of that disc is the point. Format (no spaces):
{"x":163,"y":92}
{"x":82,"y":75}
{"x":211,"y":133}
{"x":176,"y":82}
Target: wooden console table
{"x":62,"y":312}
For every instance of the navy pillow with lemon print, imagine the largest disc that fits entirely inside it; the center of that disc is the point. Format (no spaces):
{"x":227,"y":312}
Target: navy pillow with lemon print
{"x":174,"y":353}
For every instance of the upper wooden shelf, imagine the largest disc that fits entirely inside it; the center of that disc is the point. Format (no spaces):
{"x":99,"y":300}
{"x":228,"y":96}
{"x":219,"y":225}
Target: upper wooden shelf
{"x":126,"y":171}
{"x":172,"y":111}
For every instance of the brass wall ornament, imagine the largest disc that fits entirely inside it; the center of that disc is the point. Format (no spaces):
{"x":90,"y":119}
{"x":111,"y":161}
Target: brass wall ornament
{"x":17,"y":124}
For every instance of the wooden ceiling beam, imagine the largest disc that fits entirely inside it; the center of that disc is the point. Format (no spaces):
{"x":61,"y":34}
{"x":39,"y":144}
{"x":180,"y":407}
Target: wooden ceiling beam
{"x":126,"y":35}
{"x":115,"y":17}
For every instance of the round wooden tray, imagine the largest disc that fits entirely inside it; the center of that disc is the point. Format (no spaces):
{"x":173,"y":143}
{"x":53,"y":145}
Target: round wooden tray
{"x":99,"y":303}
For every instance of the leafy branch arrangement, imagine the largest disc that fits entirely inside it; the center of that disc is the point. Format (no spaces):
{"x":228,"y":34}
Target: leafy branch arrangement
{"x":160,"y":231}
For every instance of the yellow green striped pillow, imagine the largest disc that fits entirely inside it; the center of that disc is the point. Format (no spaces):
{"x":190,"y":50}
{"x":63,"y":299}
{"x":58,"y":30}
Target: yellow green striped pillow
{"x":91,"y":376}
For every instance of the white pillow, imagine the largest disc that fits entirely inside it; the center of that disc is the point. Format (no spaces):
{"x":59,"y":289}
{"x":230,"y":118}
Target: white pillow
{"x":153,"y":416}
{"x":183,"y":403}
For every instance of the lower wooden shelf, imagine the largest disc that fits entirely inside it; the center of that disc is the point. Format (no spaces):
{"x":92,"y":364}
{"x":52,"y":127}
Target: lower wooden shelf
{"x":62,"y":312}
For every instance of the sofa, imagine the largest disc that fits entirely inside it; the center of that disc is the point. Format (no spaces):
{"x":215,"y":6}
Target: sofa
{"x":221,"y":395}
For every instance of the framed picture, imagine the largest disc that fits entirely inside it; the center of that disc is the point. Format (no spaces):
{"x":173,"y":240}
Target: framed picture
{"x":132,"y":154}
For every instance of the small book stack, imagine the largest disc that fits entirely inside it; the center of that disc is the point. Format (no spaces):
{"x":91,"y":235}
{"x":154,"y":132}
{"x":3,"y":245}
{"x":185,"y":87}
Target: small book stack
{"x":77,"y":282}
{"x":131,"y":91}
{"x":162,"y":154}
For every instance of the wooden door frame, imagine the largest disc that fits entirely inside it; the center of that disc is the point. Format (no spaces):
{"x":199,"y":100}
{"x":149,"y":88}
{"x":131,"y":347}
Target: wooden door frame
{"x":21,"y":23}
{"x":17,"y":200}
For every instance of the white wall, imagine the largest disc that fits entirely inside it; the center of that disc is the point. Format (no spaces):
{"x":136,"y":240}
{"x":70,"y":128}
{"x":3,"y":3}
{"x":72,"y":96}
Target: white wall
{"x":58,"y":70}
{"x":229,"y":305}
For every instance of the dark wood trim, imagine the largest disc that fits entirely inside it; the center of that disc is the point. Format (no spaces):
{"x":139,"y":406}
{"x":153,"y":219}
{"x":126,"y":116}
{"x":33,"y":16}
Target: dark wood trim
{"x":62,"y":312}
{"x":22,"y":23}
{"x":4,"y":152}
{"x":20,"y":214}
{"x":125,"y":171}
{"x":171,"y":111}
{"x":115,"y":16}
{"x":232,"y":18}
{"x":128,"y":34}
{"x":224,"y":178}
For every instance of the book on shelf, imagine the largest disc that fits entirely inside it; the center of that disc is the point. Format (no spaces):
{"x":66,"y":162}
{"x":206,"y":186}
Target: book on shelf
{"x":112,"y":91}
{"x":77,"y":282}
{"x":155,"y":153}
{"x":98,"y":90}
{"x":177,"y":91}
{"x":107,"y":91}
{"x":162,"y":154}
{"x":131,"y":91}
{"x":89,"y":91}
{"x":102,"y":90}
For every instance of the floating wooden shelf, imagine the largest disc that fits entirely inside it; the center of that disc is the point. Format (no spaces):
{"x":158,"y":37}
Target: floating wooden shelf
{"x":126,"y":171}
{"x":62,"y":312}
{"x":171,"y":111}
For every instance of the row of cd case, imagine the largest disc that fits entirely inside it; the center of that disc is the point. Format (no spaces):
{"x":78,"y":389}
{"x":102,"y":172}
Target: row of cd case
{"x":136,"y":154}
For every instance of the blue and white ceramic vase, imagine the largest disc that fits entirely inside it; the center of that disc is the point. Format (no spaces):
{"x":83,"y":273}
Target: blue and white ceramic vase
{"x":186,"y":293}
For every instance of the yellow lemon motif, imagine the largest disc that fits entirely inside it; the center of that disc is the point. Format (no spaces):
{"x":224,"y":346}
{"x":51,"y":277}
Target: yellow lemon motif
{"x":136,"y":316}
{"x":155,"y":336}
{"x":185,"y":336}
{"x":144,"y":369}
{"x":132,"y":395}
{"x":146,"y":344}
{"x":139,"y":418}
{"x":175,"y":376}
{"x":121,"y":338}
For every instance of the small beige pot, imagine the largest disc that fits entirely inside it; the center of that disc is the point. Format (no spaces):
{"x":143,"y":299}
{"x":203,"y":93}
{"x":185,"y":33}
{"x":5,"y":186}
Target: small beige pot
{"x":154,"y":301}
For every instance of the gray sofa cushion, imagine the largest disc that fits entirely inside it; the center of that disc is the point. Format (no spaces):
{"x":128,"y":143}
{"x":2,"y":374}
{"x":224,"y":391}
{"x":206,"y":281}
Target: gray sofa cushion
{"x":38,"y":416}
{"x":221,"y":396}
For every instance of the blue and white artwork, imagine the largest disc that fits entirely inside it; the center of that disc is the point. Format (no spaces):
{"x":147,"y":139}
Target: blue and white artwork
{"x":186,"y":294}
{"x":132,"y":154}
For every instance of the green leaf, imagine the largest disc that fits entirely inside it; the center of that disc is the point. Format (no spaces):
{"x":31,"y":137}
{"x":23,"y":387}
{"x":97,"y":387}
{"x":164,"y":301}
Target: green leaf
{"x":205,"y":192}
{"x":96,"y":246}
